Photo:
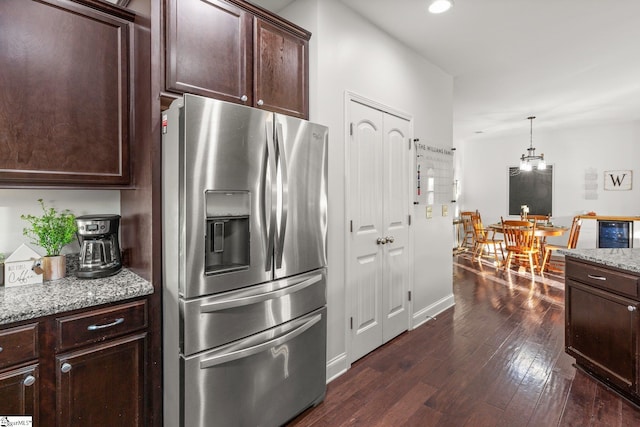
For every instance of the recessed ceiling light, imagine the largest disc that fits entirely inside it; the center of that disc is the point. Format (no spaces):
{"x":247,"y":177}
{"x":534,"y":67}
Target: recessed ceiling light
{"x":439,"y":6}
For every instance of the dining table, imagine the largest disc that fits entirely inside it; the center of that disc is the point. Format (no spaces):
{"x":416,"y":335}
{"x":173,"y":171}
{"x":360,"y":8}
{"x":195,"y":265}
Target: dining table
{"x":542,"y":231}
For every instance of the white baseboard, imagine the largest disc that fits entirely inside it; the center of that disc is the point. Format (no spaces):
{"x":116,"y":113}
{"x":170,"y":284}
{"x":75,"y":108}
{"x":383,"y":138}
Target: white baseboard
{"x":336,"y":367}
{"x":432,"y":311}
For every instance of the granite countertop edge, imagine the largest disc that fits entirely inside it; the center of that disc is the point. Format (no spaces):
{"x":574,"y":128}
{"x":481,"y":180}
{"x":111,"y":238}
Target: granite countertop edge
{"x":624,"y":259}
{"x":30,"y":302}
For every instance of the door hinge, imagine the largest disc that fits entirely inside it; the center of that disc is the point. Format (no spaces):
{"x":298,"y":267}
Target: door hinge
{"x":351,"y":322}
{"x":351,"y":226}
{"x":351,"y":129}
{"x":409,"y":219}
{"x":409,"y":295}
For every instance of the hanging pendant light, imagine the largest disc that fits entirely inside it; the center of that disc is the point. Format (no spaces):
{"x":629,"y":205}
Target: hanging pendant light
{"x":527,"y":162}
{"x":439,"y":6}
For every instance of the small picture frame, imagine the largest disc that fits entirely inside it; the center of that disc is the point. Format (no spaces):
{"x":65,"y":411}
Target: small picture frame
{"x":619,"y":180}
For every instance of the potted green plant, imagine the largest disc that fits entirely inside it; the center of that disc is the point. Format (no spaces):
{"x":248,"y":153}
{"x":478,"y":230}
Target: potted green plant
{"x":51,"y":231}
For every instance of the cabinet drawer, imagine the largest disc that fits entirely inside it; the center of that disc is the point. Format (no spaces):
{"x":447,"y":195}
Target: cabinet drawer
{"x":603,"y":278}
{"x":98,"y":325}
{"x":18,"y":344}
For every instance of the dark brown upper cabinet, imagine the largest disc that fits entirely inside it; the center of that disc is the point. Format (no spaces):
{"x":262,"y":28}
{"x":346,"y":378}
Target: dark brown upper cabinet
{"x":65,"y":98}
{"x":236,"y":52}
{"x":281,"y":70}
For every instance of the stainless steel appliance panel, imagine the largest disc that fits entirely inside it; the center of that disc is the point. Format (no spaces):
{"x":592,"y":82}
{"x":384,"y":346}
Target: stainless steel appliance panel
{"x":224,"y":149}
{"x":215,"y":320}
{"x":302,"y":224}
{"x":263,"y":380}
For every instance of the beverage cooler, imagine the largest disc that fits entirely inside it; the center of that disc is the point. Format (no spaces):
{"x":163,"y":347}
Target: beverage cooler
{"x":615,"y":234}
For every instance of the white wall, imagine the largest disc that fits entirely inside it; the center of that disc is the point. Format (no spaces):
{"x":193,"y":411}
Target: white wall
{"x":16,"y":202}
{"x":571,"y":152}
{"x":350,"y":54}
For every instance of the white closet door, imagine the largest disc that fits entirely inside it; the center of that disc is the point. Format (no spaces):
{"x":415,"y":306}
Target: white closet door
{"x":395,"y":196}
{"x":378,"y":265}
{"x":365,"y":206}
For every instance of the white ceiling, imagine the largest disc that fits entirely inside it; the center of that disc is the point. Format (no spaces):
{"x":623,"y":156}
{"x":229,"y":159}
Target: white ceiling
{"x":568,"y":62}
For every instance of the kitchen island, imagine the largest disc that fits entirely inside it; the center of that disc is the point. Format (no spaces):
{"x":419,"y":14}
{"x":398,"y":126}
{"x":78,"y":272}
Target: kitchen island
{"x":602,"y":320}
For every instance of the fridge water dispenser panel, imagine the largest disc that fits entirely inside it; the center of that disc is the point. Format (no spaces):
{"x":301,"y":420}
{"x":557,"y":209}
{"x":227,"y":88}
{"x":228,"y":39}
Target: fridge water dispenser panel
{"x":227,"y":242}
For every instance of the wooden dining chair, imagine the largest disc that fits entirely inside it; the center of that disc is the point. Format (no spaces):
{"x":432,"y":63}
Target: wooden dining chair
{"x":520,"y":242}
{"x":468,"y":239}
{"x":484,"y":238}
{"x":571,"y":243}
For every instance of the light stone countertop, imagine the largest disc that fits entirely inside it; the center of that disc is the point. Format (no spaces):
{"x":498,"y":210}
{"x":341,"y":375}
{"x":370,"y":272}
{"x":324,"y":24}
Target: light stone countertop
{"x":625,"y":259}
{"x":33,"y":301}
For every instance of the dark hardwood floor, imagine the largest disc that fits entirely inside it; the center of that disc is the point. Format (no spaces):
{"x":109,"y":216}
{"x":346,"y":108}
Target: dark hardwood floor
{"x":495,"y":359}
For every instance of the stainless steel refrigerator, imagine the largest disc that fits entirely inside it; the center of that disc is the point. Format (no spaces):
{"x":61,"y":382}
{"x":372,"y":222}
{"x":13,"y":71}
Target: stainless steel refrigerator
{"x":244,"y":264}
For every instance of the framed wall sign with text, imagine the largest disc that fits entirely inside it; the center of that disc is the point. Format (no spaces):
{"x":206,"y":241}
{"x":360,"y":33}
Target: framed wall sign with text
{"x":618,"y":180}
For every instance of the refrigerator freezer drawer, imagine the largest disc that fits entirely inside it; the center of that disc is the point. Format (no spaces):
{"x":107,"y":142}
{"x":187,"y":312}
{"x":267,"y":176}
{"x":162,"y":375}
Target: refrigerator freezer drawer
{"x":263,"y":380}
{"x":216,"y":320}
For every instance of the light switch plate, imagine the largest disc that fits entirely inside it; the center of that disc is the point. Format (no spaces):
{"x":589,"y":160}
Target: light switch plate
{"x":445,"y":210}
{"x":429,"y":211}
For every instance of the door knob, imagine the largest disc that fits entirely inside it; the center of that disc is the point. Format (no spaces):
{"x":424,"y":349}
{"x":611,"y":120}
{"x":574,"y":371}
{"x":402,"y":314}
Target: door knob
{"x":389,"y":239}
{"x":381,"y":240}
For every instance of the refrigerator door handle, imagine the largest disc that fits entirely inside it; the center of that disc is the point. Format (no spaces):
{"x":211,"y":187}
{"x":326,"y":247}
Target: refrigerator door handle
{"x":284,"y":167}
{"x":271,"y":163}
{"x":249,"y":351}
{"x":254,"y":297}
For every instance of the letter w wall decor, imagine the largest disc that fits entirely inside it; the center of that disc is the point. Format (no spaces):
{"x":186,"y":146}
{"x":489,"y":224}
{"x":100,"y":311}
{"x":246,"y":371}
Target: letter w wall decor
{"x":618,"y":180}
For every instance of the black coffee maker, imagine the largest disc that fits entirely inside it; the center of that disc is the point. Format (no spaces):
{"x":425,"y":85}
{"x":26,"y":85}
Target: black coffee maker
{"x":99,"y":246}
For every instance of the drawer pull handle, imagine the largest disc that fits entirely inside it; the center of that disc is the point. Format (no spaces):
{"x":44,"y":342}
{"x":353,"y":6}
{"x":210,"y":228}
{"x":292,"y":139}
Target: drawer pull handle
{"x":66,"y":367}
{"x":107,"y":325}
{"x":591,"y":276}
{"x":29,"y":380}
{"x":631,"y":308}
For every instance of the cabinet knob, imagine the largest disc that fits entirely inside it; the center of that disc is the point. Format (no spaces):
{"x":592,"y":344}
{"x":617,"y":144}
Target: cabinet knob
{"x":1,"y":349}
{"x":244,"y":98}
{"x":66,"y":367}
{"x":260,"y":102}
{"x":631,"y":308}
{"x":29,"y":380}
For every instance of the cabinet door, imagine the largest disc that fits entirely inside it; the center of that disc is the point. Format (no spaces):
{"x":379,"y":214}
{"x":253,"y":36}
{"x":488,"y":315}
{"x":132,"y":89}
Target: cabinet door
{"x":64,"y":103}
{"x":19,"y":391}
{"x":602,"y":333}
{"x":208,"y":49}
{"x":102,"y":385}
{"x":281,"y":70}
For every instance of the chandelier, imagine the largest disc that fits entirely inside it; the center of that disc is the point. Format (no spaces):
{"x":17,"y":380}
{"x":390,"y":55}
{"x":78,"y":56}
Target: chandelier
{"x":527,"y":162}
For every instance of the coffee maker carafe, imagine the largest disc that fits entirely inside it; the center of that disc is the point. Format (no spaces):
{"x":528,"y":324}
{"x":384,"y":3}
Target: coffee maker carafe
{"x":99,"y":246}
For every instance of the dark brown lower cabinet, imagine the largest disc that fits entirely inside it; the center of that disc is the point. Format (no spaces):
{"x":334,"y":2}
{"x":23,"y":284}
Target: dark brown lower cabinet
{"x":82,"y":368}
{"x":102,"y":385}
{"x":602,"y":324}
{"x":19,"y":392}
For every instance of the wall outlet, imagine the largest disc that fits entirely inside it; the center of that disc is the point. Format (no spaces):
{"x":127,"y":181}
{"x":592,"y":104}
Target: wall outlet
{"x":429,"y":211}
{"x":445,"y":210}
